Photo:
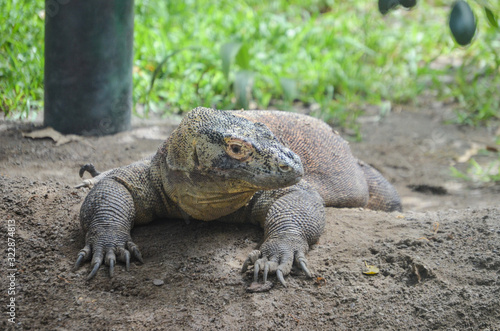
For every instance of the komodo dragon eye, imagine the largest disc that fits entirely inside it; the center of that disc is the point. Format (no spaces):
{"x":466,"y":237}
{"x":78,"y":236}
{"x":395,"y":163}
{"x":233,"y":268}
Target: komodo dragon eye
{"x":235,"y":148}
{"x":238,"y":149}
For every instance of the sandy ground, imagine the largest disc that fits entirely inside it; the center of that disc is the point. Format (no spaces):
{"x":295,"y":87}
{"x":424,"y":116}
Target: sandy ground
{"x":439,"y":260}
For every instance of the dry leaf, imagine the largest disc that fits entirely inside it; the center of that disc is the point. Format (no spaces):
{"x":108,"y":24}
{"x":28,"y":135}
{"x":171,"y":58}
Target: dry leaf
{"x":58,"y":137}
{"x":371,"y":269}
{"x":469,"y":153}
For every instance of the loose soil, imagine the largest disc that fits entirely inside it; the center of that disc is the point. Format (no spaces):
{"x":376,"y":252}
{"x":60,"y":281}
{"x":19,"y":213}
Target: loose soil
{"x":439,"y":260}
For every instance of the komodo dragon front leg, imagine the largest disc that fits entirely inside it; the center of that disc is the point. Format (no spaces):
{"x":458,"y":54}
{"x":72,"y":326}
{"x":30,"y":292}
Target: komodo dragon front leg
{"x":119,"y":199}
{"x":106,"y":240}
{"x":293,"y":219}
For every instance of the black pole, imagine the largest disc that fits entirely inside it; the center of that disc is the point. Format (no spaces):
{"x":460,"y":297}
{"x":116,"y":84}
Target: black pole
{"x":88,"y":65}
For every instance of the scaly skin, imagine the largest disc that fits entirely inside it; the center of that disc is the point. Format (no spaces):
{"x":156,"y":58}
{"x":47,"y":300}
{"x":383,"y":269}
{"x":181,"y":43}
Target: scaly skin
{"x":271,"y":168}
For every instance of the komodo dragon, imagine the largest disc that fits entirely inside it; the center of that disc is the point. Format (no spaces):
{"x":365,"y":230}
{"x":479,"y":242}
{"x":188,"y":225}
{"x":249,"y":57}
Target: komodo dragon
{"x":272,"y":168}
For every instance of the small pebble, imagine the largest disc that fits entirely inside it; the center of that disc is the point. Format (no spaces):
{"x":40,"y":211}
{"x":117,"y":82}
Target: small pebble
{"x":158,"y":282}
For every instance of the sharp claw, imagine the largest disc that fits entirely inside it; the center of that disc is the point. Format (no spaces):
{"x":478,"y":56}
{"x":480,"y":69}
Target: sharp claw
{"x":111,"y":261}
{"x":79,"y":260}
{"x":303,"y":266}
{"x":97,"y":260}
{"x":256,"y":272}
{"x":279,"y":274}
{"x":266,"y":271}
{"x":137,"y":254}
{"x":135,"y":251}
{"x":127,"y":260}
{"x":111,"y":267}
{"x":94,"y":270}
{"x":245,"y":265}
{"x":82,"y":256}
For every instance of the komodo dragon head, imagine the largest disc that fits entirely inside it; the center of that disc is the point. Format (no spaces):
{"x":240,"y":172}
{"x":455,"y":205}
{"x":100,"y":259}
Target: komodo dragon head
{"x":216,"y":161}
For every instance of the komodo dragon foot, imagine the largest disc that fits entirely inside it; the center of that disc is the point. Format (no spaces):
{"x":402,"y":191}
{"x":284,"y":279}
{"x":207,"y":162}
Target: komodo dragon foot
{"x":277,"y":256}
{"x":96,"y":175}
{"x":294,"y":222}
{"x":98,"y":256}
{"x":89,"y":167}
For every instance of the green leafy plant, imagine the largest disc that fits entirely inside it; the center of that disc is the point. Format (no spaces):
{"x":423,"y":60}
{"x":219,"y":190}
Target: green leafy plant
{"x":327,"y":58}
{"x":477,"y":173}
{"x":238,"y":53}
{"x":21,"y":51}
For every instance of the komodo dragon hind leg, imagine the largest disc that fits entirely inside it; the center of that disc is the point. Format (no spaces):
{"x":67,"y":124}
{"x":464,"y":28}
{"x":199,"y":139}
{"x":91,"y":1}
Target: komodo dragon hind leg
{"x":295,"y":219}
{"x":96,"y":176}
{"x":89,"y":167}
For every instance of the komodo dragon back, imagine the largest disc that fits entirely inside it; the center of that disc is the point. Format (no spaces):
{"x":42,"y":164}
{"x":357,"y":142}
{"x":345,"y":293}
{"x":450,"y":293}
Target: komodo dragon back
{"x":329,"y":166}
{"x":271,"y":168}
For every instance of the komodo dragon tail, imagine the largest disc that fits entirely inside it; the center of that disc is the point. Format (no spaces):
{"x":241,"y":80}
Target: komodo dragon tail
{"x":383,"y":196}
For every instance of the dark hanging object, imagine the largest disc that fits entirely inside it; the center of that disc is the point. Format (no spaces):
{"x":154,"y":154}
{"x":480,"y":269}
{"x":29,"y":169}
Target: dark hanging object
{"x":88,"y":65}
{"x":408,"y":3}
{"x":462,"y":22}
{"x":385,"y":5}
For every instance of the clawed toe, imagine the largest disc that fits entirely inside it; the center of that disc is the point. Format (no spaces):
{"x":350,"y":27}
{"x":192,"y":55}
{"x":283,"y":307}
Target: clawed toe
{"x":302,"y":262}
{"x":304,"y":268}
{"x":252,"y":257}
{"x":111,"y":268}
{"x":279,"y":263}
{"x":111,"y":261}
{"x":89,"y":167}
{"x":95,"y":268}
{"x":83,"y":255}
{"x":135,"y":251}
{"x":107,"y":256}
{"x":279,"y":274}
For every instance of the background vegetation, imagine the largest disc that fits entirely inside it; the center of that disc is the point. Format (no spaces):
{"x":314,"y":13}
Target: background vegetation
{"x":331,"y":57}
{"x":335,"y":56}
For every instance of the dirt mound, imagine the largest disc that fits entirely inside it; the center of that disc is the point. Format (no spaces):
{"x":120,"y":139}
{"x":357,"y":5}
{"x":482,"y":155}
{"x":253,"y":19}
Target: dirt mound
{"x":439,"y":261}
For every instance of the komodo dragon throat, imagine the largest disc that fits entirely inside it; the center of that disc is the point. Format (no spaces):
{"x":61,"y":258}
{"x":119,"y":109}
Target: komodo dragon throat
{"x":272,"y":168}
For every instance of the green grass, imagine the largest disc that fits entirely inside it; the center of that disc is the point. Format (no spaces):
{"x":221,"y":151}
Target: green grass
{"x":477,"y":173}
{"x":21,"y":58}
{"x":484,"y":173}
{"x":337,"y":59}
{"x":334,"y":55}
